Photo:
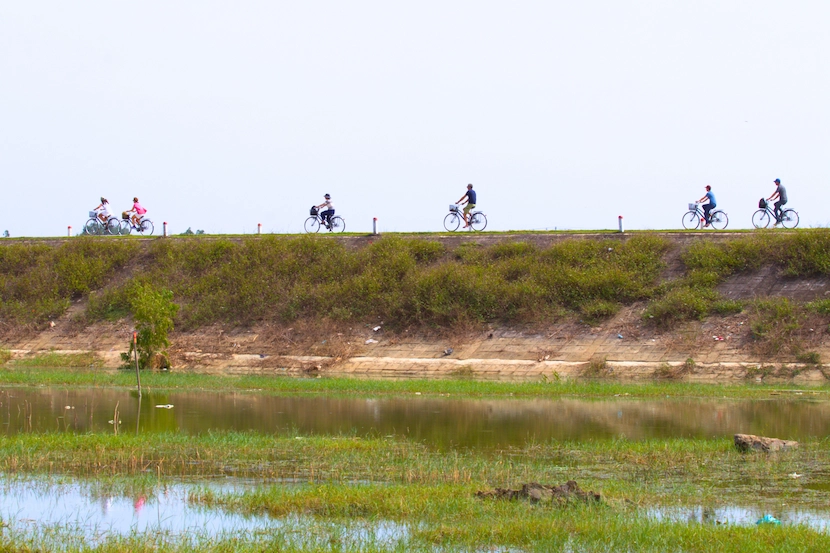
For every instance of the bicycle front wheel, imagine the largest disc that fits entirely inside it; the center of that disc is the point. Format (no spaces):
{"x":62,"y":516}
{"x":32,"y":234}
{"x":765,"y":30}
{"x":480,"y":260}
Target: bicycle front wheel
{"x":113,"y":227}
{"x":478,"y":221}
{"x":760,"y":219}
{"x":718,"y":220}
{"x":145,"y":227}
{"x":337,"y":224}
{"x":789,"y":218}
{"x":691,"y":220}
{"x":92,"y":227}
{"x":126,"y":227}
{"x":312,"y":224}
{"x":452,"y":221}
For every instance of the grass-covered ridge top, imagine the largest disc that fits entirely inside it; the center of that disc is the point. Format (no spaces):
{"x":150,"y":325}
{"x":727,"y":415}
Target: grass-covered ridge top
{"x":405,"y":281}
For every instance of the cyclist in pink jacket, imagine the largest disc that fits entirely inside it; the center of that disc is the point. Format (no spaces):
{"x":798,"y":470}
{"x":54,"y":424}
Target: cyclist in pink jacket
{"x":137,"y":212}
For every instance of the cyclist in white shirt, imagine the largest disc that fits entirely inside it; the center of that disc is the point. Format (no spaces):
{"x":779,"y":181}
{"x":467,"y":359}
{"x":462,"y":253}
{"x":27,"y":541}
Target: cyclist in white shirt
{"x":328,"y":212}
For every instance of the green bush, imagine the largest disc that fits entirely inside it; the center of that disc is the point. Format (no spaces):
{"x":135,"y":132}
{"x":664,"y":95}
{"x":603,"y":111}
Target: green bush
{"x":773,"y":323}
{"x":153,"y":312}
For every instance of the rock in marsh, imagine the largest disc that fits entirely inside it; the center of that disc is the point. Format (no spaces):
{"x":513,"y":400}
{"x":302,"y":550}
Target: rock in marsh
{"x":749,"y":442}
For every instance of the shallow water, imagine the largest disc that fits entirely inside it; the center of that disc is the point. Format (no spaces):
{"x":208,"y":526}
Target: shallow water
{"x":90,"y":513}
{"x":440,"y":422}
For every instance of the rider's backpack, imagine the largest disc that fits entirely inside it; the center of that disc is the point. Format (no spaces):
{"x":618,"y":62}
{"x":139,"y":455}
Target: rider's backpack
{"x":313,"y":210}
{"x":762,"y":203}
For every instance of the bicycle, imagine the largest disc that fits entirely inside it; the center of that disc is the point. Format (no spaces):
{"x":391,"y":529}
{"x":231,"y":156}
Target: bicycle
{"x":762,"y":217}
{"x":95,"y":227}
{"x":313,"y":223}
{"x":694,"y":217}
{"x":478,"y":220}
{"x":145,"y":226}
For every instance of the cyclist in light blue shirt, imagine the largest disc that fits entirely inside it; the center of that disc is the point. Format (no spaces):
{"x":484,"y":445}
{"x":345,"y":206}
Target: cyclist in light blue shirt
{"x":710,"y":204}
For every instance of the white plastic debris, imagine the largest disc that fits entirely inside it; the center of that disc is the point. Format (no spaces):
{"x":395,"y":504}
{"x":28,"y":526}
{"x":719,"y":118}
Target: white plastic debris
{"x":166,"y":406}
{"x":370,"y":341}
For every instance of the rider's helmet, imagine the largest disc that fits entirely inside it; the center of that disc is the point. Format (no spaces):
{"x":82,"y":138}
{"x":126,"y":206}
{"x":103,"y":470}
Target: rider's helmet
{"x":328,"y":196}
{"x":777,"y":181}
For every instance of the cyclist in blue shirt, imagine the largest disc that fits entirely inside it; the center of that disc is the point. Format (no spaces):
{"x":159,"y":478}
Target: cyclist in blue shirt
{"x":710,"y":204}
{"x":468,"y":198}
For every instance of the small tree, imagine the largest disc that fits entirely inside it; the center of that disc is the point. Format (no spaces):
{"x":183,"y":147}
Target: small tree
{"x":153,"y":312}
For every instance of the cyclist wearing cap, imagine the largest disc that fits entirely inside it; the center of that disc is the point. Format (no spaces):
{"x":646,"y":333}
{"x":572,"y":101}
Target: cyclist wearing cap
{"x":781,"y":194}
{"x":103,"y":210}
{"x":710,"y":204}
{"x":329,"y":211}
{"x":468,"y":198}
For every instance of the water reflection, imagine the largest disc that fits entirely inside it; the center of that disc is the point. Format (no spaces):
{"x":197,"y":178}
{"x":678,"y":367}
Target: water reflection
{"x":91,"y":513}
{"x":441,"y":422}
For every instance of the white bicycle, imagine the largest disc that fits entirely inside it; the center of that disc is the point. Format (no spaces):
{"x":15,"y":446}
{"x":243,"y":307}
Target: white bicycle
{"x":478,"y":220}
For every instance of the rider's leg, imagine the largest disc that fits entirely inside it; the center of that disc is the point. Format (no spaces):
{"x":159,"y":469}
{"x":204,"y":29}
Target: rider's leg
{"x":777,"y":211}
{"x":467,"y":209}
{"x":706,"y":209}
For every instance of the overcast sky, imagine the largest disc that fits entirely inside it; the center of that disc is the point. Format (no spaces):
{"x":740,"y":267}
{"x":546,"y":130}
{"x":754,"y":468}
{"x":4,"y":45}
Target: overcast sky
{"x":563,"y":114}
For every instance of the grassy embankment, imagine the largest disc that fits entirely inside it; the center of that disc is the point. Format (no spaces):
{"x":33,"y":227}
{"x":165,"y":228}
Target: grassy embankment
{"x":414,"y":282}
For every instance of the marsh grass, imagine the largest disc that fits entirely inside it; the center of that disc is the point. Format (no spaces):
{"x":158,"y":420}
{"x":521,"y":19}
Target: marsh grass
{"x":59,"y":360}
{"x":13,"y":375}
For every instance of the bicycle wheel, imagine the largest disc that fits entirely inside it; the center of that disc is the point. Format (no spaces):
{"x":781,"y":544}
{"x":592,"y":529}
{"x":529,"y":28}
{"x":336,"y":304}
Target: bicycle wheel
{"x":451,"y":221}
{"x":145,"y":226}
{"x":718,"y":219}
{"x":760,"y":219}
{"x":337,"y":224}
{"x":789,"y":218}
{"x":126,"y":227}
{"x":691,"y":220}
{"x":312,"y":224}
{"x":93,"y":227}
{"x":113,"y":227}
{"x":478,"y":221}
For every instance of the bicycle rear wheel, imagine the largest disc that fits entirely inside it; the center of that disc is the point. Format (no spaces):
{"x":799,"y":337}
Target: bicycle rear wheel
{"x":451,"y":221}
{"x":478,"y":221}
{"x":93,"y":227}
{"x":312,"y":224}
{"x":145,"y":226}
{"x":113,"y":227}
{"x":337,"y":224}
{"x":691,"y":220}
{"x":718,"y":219}
{"x":761,"y":218}
{"x":789,"y":218}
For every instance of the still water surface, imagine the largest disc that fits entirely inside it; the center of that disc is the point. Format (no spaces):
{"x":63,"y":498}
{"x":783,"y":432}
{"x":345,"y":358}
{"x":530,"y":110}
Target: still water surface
{"x":441,"y":422}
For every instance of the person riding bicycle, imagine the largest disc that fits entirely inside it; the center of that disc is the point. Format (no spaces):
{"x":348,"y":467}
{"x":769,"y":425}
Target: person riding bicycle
{"x":781,"y":194}
{"x":138,"y":212}
{"x":103,"y":210}
{"x":710,"y":204}
{"x":468,"y":198}
{"x":326,"y":215}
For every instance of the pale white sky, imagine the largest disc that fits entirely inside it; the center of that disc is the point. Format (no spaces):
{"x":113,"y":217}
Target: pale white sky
{"x":222,"y":115}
